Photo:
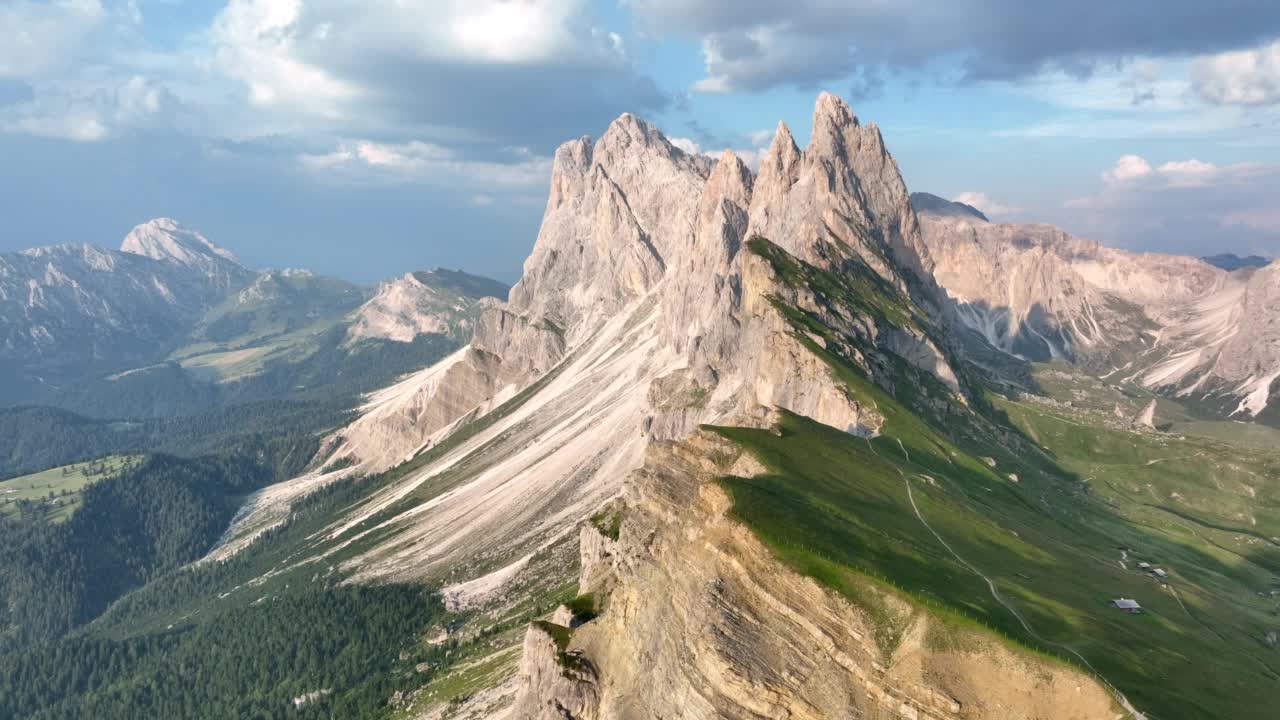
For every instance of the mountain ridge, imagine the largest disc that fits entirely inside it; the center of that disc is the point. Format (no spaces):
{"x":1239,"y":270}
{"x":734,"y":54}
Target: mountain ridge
{"x":1173,"y":324}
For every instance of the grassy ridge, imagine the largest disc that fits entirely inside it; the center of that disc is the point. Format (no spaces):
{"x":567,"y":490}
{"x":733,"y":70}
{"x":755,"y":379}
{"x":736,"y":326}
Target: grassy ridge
{"x":836,"y":507}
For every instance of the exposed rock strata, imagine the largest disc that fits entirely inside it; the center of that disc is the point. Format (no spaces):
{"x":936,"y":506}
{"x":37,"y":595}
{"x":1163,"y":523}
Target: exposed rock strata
{"x":702,"y":622}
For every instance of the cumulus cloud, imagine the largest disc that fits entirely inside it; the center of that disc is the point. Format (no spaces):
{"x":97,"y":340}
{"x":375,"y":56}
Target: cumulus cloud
{"x":989,"y":207}
{"x":479,"y":71}
{"x":1127,"y":169}
{"x":750,"y":45}
{"x":257,"y":42}
{"x":1133,"y":171}
{"x":1185,"y":206}
{"x":1241,"y":77}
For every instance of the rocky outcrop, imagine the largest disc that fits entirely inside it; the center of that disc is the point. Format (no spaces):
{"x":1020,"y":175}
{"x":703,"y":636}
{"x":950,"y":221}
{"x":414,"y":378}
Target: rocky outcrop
{"x":844,"y":189}
{"x":1147,"y":418}
{"x":419,"y":303}
{"x":702,"y":622}
{"x":554,"y":685}
{"x":1249,"y":361}
{"x":633,"y":223}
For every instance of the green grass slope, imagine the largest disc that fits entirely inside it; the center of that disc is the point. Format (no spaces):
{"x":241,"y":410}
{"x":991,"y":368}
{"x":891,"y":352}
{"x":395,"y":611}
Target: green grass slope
{"x":56,"y":493}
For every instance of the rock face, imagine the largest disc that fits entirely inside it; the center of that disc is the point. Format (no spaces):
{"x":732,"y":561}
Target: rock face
{"x":641,"y":314}
{"x":1177,"y":325}
{"x":635,"y":226}
{"x":702,"y":622}
{"x":553,"y":684}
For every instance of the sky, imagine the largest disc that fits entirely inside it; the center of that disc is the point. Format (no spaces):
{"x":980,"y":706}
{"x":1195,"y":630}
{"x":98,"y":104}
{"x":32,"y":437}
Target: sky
{"x":367,"y":138}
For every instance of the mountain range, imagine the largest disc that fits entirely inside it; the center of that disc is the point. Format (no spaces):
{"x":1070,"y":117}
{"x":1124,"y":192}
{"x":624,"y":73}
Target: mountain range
{"x":784,"y":443}
{"x":98,"y":330}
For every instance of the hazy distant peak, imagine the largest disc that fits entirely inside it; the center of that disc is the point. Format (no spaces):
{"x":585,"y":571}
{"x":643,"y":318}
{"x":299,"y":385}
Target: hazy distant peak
{"x":931,"y":204}
{"x":1231,"y":261}
{"x":168,"y":240}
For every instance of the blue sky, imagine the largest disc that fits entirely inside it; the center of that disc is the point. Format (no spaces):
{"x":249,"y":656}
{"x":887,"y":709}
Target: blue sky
{"x":365,"y":138}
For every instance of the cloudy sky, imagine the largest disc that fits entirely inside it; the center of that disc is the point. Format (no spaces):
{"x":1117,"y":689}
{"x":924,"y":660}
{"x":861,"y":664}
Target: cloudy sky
{"x":364,"y":138}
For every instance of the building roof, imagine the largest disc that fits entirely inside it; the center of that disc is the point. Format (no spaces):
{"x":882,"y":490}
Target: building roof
{"x":1126,"y":604}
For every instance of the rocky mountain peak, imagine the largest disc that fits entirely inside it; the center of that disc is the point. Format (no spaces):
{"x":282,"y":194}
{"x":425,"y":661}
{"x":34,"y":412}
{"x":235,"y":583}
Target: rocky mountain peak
{"x":836,"y":130}
{"x":777,"y":167}
{"x":168,"y":241}
{"x":844,"y":190}
{"x":731,"y":179}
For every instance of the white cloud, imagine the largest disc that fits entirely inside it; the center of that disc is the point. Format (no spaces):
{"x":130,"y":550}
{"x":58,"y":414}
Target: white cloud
{"x":984,"y":203}
{"x":1126,"y":170}
{"x":39,"y":37}
{"x":1186,"y":206}
{"x":1241,"y":77}
{"x":761,"y":138}
{"x":366,"y":161}
{"x":257,"y":43}
{"x":1134,"y":172}
{"x":93,"y":112}
{"x":324,"y":58}
{"x":488,"y":31}
{"x":1188,"y":173}
{"x":686,"y":145}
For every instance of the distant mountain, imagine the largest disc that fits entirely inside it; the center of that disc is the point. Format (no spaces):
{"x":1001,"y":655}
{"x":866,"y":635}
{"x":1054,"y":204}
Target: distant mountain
{"x":1231,"y":261}
{"x":928,"y":202}
{"x":166,"y":240}
{"x":173,"y":324}
{"x":440,"y":301}
{"x":70,"y":310}
{"x":1177,"y":325}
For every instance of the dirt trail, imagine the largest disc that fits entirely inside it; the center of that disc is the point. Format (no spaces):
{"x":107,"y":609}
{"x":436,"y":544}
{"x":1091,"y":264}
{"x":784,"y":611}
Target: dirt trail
{"x":995,"y":595}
